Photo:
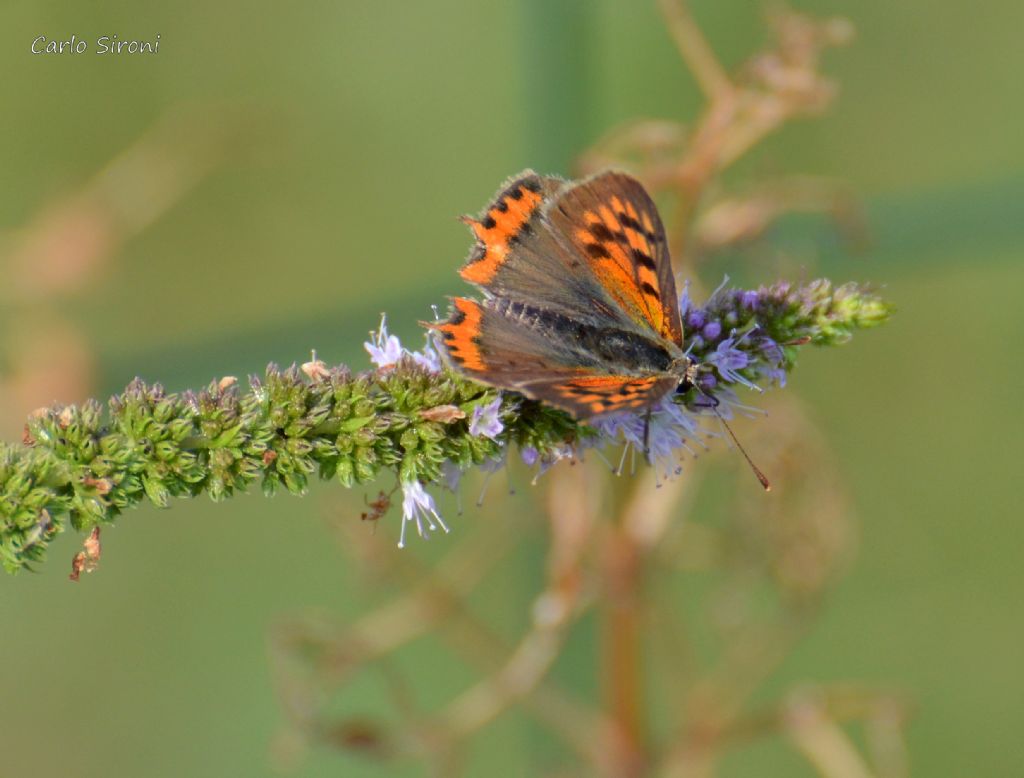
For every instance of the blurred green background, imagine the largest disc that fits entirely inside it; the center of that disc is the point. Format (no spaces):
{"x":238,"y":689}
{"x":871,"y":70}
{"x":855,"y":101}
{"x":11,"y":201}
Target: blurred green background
{"x":347,"y":137}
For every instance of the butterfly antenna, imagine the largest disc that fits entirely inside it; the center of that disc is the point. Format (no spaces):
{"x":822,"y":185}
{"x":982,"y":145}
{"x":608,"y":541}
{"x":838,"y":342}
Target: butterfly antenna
{"x":757,"y":471}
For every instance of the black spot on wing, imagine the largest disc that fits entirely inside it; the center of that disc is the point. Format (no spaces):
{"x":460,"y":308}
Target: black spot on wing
{"x":524,"y":232}
{"x":633,"y":224}
{"x":641,"y":258}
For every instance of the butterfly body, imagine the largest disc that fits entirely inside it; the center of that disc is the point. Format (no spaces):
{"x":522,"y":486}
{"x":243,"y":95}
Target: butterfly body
{"x":579,"y":307}
{"x":590,"y":344}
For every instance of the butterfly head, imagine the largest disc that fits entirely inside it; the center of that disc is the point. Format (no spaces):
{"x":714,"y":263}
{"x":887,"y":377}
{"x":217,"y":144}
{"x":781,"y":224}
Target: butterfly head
{"x":695,"y":375}
{"x":687,"y":371}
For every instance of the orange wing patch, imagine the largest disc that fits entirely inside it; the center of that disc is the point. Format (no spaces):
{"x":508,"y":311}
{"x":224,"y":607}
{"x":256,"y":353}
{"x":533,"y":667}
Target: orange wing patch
{"x":607,"y":394}
{"x":622,"y":256}
{"x":460,"y":334}
{"x":500,"y":224}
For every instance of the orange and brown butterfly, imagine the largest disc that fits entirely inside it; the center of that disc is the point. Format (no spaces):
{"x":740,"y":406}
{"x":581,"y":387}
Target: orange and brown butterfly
{"x":579,"y":304}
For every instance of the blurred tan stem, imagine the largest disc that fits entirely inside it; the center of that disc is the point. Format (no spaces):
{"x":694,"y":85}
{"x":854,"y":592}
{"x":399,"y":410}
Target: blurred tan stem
{"x":701,"y":161}
{"x":623,"y":656}
{"x":440,"y":596}
{"x":644,"y":510}
{"x":694,"y":48}
{"x":625,"y":550}
{"x":554,"y":611}
{"x":822,"y":741}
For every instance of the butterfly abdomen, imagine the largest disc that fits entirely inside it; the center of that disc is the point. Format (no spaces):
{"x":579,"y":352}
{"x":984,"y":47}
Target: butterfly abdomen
{"x":540,"y":319}
{"x":629,"y":352}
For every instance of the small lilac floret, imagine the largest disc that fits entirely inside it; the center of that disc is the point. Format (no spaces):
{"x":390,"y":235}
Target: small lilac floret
{"x":486,"y":422}
{"x":685,"y":303}
{"x":671,"y":426}
{"x":531,"y":457}
{"x":387,"y":351}
{"x":729,"y":360}
{"x":428,"y":358}
{"x":712,"y":330}
{"x":384,"y":350}
{"x":451,"y":474}
{"x":418,"y":506}
{"x":772,"y":361}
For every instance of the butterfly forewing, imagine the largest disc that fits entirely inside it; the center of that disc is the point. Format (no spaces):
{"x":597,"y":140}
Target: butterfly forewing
{"x":612,"y":222}
{"x":518,"y":255}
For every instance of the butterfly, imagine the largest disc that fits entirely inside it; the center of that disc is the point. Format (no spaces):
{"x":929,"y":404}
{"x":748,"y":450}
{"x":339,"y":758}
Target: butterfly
{"x":579,"y":307}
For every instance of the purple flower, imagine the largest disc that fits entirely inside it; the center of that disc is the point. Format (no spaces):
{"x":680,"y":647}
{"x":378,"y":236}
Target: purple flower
{"x":387,"y":351}
{"x":712,"y":330}
{"x":671,"y":428}
{"x":418,"y":506}
{"x":685,"y":303}
{"x":428,"y":358}
{"x":384,"y":350}
{"x":451,"y":473}
{"x":486,"y":421}
{"x":772,"y":362}
{"x":729,"y":360}
{"x":530,"y":455}
{"x":495,"y":463}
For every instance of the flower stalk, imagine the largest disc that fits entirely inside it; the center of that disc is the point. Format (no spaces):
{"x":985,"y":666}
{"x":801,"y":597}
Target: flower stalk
{"x":84,"y":465}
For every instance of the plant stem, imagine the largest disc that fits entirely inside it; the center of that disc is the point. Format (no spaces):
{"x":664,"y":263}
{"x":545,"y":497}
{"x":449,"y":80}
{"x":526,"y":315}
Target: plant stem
{"x":623,"y":651}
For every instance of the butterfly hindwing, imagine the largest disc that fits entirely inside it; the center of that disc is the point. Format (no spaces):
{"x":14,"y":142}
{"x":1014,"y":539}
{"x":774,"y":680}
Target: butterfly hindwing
{"x":532,"y":351}
{"x":507,"y":344}
{"x":596,"y":395}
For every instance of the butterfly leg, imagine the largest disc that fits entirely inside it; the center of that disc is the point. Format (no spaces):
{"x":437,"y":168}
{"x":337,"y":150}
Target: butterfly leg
{"x":707,"y":400}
